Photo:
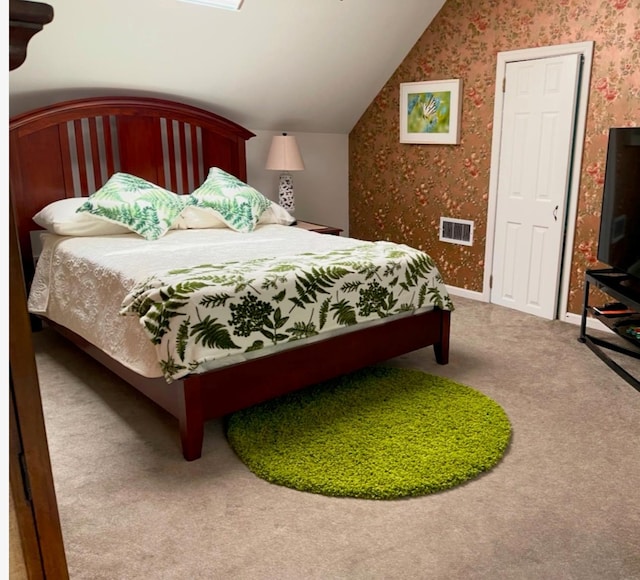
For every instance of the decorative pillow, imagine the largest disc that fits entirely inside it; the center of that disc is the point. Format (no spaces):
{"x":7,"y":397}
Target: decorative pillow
{"x":276,"y":214}
{"x":141,"y":206}
{"x":60,"y":217}
{"x":224,"y":196}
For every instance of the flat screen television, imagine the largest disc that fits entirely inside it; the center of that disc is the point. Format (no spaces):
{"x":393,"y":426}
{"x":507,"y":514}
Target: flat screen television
{"x":619,"y":240}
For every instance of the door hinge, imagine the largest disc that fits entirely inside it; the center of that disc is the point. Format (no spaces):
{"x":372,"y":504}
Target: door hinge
{"x":504,"y":84}
{"x":25,"y":477}
{"x":490,"y":281}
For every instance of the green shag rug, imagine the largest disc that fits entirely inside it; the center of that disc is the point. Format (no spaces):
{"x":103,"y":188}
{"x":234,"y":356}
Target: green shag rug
{"x":378,"y":433}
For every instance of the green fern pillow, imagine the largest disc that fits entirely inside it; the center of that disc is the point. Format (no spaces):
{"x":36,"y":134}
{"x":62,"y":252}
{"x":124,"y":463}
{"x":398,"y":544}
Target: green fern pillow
{"x":237,"y":204}
{"x":141,"y":206}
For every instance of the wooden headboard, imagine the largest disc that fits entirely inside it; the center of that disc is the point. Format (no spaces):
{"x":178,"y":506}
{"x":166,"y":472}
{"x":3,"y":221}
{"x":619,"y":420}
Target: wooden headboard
{"x":72,"y":148}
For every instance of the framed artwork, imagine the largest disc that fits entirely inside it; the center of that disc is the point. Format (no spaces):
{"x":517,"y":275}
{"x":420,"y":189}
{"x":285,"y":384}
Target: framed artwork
{"x":430,"y":112}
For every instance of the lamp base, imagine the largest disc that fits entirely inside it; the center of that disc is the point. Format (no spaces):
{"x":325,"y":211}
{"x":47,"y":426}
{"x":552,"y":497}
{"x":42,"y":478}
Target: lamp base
{"x":285,"y":193}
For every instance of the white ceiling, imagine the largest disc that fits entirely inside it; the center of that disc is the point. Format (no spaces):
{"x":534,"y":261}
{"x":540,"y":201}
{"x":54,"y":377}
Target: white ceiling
{"x":277,"y":65}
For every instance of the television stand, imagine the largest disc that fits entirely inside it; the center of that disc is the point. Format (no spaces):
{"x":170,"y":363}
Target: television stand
{"x":621,"y":287}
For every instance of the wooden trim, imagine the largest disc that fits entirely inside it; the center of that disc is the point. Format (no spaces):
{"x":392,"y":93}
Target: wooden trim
{"x":25,"y":20}
{"x":28,"y":537}
{"x":30,"y":429}
{"x":17,"y":564}
{"x":31,"y":481}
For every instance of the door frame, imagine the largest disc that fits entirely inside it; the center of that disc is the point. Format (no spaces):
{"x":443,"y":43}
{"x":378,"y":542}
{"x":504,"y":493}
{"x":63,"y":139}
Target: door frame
{"x":586,"y":50}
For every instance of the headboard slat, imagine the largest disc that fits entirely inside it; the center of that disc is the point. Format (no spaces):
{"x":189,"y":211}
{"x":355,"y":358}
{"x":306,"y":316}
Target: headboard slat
{"x":98,"y":179}
{"x":80,"y":157}
{"x":67,"y":161}
{"x":108,"y":147}
{"x":198,"y":170}
{"x":184,"y":158}
{"x":172,"y":184}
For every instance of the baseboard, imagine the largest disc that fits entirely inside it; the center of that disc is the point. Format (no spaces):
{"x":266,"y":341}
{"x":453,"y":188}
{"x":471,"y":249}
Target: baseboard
{"x":592,"y":323}
{"x":569,"y":317}
{"x":464,"y":293}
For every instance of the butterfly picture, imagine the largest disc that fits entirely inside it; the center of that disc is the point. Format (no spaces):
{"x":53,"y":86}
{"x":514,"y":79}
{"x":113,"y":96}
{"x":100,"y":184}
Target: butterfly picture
{"x":430,"y":111}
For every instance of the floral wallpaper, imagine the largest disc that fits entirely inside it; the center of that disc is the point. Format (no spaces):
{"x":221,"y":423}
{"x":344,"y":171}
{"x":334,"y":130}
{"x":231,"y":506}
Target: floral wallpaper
{"x":398,"y":192}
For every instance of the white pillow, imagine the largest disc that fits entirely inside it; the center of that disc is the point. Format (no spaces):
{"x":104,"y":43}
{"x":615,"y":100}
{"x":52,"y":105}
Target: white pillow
{"x":276,"y":214}
{"x":198,"y":218}
{"x":193,"y":217}
{"x":60,"y":217}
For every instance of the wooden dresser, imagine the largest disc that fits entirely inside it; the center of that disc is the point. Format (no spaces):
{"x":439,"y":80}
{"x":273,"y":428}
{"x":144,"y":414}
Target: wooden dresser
{"x":38,"y":551}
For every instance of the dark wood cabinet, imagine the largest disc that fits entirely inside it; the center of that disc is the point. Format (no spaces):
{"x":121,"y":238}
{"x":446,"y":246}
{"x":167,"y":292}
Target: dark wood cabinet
{"x":30,"y":477}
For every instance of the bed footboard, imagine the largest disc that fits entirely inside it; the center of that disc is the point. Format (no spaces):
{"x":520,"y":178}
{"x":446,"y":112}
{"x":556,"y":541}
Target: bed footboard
{"x":211,"y":395}
{"x":441,"y":347}
{"x":229,"y":389}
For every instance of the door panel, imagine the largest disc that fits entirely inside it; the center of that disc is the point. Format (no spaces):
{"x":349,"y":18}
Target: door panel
{"x":533,"y":180}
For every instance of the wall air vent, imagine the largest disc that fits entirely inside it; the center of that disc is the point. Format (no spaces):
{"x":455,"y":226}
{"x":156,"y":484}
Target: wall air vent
{"x":456,"y":231}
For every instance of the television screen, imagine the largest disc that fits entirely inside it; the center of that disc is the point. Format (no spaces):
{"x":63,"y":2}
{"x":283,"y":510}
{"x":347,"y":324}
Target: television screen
{"x":619,"y":241}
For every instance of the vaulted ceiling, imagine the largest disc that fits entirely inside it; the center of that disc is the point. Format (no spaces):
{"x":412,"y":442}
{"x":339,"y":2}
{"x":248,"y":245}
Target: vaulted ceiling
{"x":295,"y":65}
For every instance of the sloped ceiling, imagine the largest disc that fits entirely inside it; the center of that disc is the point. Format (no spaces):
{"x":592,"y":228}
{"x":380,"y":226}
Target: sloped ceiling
{"x":294,"y":65}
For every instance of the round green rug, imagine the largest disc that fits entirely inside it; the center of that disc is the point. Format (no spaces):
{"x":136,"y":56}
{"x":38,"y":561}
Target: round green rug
{"x":378,"y":433}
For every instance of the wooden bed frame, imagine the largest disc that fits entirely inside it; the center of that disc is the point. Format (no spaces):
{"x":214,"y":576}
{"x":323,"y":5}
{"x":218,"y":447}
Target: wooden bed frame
{"x":72,"y":148}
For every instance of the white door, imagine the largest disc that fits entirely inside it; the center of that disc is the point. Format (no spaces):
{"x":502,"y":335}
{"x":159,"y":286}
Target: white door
{"x":533,"y":179}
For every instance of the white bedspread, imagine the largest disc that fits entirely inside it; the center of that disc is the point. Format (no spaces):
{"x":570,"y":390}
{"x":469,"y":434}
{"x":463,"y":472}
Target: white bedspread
{"x":81,"y":283}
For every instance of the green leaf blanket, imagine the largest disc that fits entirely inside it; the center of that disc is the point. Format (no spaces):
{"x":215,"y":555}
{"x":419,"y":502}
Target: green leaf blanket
{"x":207,"y":312}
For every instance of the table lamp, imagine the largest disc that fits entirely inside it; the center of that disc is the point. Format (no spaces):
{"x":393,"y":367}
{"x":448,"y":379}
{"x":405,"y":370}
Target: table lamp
{"x":284,"y":156}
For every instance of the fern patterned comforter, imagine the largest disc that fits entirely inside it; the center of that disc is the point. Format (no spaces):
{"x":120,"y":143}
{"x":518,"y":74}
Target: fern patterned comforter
{"x":197,"y":314}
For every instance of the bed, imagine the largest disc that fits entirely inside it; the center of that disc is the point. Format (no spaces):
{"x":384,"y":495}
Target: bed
{"x":72,"y":149}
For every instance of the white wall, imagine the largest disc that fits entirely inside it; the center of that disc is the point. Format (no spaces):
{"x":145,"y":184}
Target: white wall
{"x":322,"y":189}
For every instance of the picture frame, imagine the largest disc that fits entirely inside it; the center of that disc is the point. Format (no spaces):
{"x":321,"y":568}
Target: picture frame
{"x":430,"y":112}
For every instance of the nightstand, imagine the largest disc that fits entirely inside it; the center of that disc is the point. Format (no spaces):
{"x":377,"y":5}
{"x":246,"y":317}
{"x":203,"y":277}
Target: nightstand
{"x":318,"y":228}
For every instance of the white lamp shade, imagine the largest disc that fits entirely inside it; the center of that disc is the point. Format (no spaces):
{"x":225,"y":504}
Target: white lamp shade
{"x":284,"y":154}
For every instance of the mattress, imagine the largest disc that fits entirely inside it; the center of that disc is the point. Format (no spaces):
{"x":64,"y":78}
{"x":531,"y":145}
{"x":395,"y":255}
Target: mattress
{"x":82,"y":282}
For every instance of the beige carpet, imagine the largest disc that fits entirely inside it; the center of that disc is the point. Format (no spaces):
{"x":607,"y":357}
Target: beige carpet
{"x":564,"y":503}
